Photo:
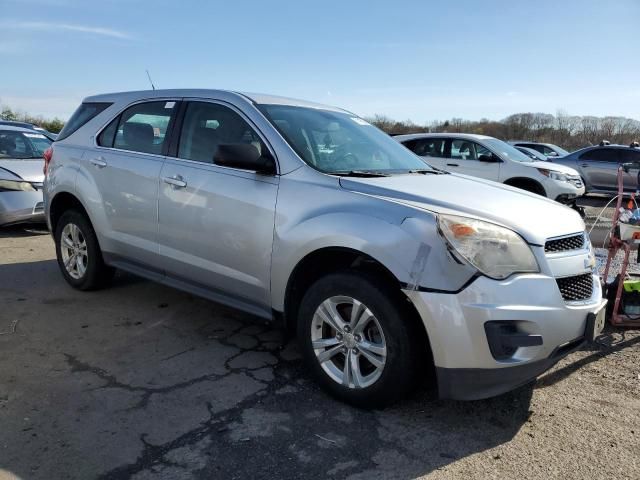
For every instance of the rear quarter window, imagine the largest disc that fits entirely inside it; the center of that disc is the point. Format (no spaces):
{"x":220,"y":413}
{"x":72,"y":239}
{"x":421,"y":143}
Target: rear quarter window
{"x":81,"y":116}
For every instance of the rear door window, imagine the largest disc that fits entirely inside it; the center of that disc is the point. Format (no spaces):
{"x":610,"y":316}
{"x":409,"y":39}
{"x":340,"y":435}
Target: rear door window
{"x":601,"y":155}
{"x":81,"y":116}
{"x":144,"y":127}
{"x":427,"y":147}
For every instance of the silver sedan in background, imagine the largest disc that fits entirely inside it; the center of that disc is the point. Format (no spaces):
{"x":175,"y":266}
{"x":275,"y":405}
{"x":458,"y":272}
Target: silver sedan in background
{"x":21,"y":175}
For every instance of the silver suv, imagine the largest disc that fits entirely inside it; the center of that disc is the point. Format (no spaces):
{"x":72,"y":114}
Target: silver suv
{"x":387,"y":268}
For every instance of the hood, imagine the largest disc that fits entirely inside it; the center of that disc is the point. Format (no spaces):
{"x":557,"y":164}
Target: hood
{"x":534,"y":217}
{"x":29,"y":170}
{"x":554,"y":167}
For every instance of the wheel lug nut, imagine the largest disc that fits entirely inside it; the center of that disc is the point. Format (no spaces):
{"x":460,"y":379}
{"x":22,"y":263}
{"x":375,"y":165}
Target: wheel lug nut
{"x":339,"y":336}
{"x":346,"y":328}
{"x":357,"y":338}
{"x":355,"y":350}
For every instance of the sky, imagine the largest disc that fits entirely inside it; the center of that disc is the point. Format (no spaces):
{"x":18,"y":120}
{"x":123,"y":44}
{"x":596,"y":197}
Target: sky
{"x":418,"y":60}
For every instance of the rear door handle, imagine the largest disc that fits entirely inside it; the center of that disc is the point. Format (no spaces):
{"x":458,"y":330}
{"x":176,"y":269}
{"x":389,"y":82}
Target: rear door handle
{"x":98,"y":162}
{"x":452,"y":165}
{"x":176,"y":181}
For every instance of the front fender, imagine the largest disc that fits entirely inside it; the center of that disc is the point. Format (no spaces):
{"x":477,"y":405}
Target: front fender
{"x":411,"y":249}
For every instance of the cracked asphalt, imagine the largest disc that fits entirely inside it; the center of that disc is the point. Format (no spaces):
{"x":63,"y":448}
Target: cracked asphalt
{"x":142,"y":381}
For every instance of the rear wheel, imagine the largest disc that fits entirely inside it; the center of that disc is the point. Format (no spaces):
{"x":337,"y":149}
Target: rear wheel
{"x":78,"y":253}
{"x":356,"y":338}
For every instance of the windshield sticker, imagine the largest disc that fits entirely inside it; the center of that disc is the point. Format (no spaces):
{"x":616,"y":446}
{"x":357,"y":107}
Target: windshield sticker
{"x":34,"y":135}
{"x":169,"y":104}
{"x":360,"y":121}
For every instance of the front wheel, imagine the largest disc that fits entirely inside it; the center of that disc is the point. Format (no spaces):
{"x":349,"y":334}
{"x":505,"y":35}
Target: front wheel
{"x":356,"y":338}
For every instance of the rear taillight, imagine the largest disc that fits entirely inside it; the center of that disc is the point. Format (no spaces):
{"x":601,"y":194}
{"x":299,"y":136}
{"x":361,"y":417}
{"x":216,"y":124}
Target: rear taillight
{"x":47,"y":155}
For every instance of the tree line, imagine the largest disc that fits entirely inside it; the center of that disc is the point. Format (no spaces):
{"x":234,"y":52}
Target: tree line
{"x":568,"y":131}
{"x":53,"y":125}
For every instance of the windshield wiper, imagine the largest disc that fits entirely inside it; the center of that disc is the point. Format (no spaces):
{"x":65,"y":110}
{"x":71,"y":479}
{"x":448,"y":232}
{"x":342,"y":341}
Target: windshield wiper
{"x":359,"y":173}
{"x":424,"y":171}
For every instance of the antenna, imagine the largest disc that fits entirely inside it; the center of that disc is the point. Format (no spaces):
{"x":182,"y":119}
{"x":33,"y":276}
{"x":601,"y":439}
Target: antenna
{"x":150,"y":81}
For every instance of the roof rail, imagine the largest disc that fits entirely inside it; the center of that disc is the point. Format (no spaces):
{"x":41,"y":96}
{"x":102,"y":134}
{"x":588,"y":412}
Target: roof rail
{"x":605,"y":142}
{"x":634,"y":144}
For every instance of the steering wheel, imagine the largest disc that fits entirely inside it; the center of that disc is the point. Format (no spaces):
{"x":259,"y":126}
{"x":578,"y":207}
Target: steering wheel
{"x":349,"y":159}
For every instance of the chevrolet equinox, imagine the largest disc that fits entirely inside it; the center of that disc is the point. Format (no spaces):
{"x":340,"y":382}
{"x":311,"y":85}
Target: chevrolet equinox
{"x":387,"y":268}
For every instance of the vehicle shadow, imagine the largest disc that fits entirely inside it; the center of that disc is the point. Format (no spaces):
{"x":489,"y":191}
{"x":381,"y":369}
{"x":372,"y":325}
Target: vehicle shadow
{"x":23,"y":230}
{"x":608,"y":343}
{"x":142,"y":379}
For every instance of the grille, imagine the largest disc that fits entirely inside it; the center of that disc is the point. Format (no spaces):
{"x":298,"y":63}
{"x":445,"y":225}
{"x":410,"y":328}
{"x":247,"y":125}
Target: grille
{"x":574,"y":242}
{"x":576,"y":288}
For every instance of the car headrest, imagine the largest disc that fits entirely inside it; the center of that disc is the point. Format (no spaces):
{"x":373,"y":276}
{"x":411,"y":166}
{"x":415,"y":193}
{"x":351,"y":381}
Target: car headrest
{"x":205,"y":134}
{"x":138,"y":135}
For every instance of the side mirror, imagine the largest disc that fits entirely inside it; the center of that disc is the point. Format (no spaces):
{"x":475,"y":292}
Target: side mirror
{"x":246,"y":157}
{"x":489,"y":158}
{"x":552,"y":154}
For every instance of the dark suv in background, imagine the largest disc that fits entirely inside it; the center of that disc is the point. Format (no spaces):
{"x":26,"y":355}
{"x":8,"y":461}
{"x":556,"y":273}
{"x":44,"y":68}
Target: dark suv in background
{"x":598,"y":166}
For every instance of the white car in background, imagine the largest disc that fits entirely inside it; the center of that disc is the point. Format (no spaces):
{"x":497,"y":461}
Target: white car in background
{"x":492,"y":159}
{"x":21,"y":174}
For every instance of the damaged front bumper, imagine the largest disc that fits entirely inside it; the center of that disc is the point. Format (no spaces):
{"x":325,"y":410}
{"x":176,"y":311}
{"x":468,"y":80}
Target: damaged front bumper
{"x":542,"y":328}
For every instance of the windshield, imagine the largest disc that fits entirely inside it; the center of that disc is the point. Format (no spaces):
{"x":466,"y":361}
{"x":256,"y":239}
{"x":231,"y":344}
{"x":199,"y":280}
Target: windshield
{"x":508,"y":151}
{"x":21,"y":145}
{"x":337,"y":142}
{"x":561,"y":151}
{"x":533,"y":154}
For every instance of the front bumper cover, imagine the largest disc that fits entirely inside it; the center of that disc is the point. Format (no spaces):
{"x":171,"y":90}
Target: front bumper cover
{"x":455,"y":323}
{"x":479,"y":383}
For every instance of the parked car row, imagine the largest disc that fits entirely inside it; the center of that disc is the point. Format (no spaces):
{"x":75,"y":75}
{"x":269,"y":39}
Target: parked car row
{"x":385,"y":266}
{"x":597,"y":165}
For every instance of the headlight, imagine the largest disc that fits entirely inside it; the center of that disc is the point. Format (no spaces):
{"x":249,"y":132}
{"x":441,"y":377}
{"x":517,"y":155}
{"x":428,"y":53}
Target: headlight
{"x":560,"y":177}
{"x":495,"y":251}
{"x":15,"y":186}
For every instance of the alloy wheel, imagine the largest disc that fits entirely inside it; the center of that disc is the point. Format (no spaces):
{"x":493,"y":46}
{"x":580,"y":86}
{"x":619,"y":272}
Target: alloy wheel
{"x":348,"y":342}
{"x":73,"y":247}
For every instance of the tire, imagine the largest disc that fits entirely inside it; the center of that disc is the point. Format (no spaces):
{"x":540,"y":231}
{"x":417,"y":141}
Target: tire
{"x":530,"y":187}
{"x":391,"y":327}
{"x":88,"y":271}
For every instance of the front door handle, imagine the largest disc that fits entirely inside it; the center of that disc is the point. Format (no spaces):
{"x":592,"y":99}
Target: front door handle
{"x":98,"y":162}
{"x":452,"y":165}
{"x":176,"y":181}
{"x":584,"y":165}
